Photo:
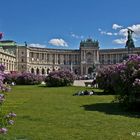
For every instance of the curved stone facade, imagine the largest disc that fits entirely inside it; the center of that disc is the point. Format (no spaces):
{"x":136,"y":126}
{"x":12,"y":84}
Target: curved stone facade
{"x":8,"y":59}
{"x":44,"y":60}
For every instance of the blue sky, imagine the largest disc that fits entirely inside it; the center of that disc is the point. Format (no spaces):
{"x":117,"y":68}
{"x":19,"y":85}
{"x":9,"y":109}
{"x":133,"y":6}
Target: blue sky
{"x":64,"y":23}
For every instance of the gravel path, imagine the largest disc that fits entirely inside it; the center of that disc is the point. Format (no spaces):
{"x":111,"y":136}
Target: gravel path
{"x":81,"y":82}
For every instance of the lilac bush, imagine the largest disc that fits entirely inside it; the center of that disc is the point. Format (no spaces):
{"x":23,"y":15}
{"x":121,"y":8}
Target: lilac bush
{"x":28,"y":79}
{"x":24,"y":78}
{"x":104,"y":78}
{"x":5,"y":120}
{"x":11,"y":77}
{"x":123,"y":79}
{"x":60,"y":78}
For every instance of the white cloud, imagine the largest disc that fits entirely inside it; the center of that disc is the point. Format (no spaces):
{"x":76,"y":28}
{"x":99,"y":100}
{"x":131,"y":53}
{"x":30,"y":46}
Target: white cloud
{"x":115,"y":34}
{"x":58,"y":42}
{"x":106,"y":33}
{"x":103,"y":32}
{"x":123,"y":32}
{"x":77,"y":36}
{"x":116,"y":26}
{"x":121,"y":41}
{"x":37,"y":45}
{"x":136,"y":29}
{"x":109,"y":33}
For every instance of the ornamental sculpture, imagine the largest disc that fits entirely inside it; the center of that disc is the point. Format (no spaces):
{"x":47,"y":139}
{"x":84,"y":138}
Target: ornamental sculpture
{"x":130,"y":43}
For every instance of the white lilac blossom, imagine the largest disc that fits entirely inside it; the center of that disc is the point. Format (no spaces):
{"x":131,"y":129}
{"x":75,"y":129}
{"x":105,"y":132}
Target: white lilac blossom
{"x":11,"y":122}
{"x":2,"y":98}
{"x":136,"y":82}
{"x":11,"y":114}
{"x":4,"y":119}
{"x":3,"y":130}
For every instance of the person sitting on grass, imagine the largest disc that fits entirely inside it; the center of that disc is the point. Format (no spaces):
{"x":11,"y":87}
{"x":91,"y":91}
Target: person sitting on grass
{"x":82,"y":93}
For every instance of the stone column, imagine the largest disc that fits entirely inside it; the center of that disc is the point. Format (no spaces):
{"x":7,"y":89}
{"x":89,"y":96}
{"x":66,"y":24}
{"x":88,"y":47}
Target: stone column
{"x":67,"y":59}
{"x":97,"y":56}
{"x":73,"y":57}
{"x":94,"y":56}
{"x":84,"y":55}
{"x":116,"y":58}
{"x":44,"y":57}
{"x":81,"y":69}
{"x":40,"y":57}
{"x":12,"y":65}
{"x":8,"y":65}
{"x":56,"y":58}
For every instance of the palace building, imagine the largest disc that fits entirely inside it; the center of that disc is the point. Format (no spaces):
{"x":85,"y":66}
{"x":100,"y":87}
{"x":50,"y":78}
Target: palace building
{"x":24,"y":58}
{"x":7,"y":57}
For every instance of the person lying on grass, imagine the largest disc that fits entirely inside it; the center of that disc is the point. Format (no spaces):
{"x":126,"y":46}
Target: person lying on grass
{"x":83,"y":93}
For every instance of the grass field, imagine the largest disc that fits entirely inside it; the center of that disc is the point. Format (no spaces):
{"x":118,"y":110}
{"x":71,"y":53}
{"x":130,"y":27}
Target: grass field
{"x":54,"y":114}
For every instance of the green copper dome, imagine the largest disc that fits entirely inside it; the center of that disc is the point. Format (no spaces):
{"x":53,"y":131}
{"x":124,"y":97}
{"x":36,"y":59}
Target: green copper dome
{"x":89,"y":43}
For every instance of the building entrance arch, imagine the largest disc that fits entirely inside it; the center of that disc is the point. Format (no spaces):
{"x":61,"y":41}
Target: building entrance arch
{"x":90,"y":70}
{"x":37,"y":71}
{"x":43,"y":71}
{"x":32,"y":70}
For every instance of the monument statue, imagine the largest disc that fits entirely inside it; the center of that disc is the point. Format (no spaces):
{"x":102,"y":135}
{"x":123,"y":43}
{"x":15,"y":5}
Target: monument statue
{"x":25,"y":43}
{"x":130,"y":43}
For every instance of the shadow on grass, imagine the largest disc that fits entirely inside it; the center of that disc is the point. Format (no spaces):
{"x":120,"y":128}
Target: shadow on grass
{"x":111,"y":108}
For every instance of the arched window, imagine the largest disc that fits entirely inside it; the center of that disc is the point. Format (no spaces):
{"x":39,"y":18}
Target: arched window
{"x":89,"y":57}
{"x":32,"y":70}
{"x":89,"y":54}
{"x":48,"y":70}
{"x":90,"y":70}
{"x":76,"y":71}
{"x":43,"y":71}
{"x":114,"y":61}
{"x":37,"y":71}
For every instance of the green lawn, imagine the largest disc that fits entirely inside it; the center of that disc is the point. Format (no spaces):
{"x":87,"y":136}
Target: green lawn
{"x":54,"y":114}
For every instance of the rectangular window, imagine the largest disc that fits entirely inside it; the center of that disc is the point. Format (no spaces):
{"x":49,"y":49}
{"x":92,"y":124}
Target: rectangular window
{"x":37,"y":55}
{"x":42,"y":56}
{"x":53,"y":59}
{"x":48,"y":58}
{"x":58,"y":58}
{"x":31,"y":54}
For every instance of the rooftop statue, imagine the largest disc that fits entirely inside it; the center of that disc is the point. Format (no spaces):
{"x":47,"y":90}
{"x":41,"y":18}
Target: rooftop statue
{"x":130,"y":43}
{"x":25,"y":43}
